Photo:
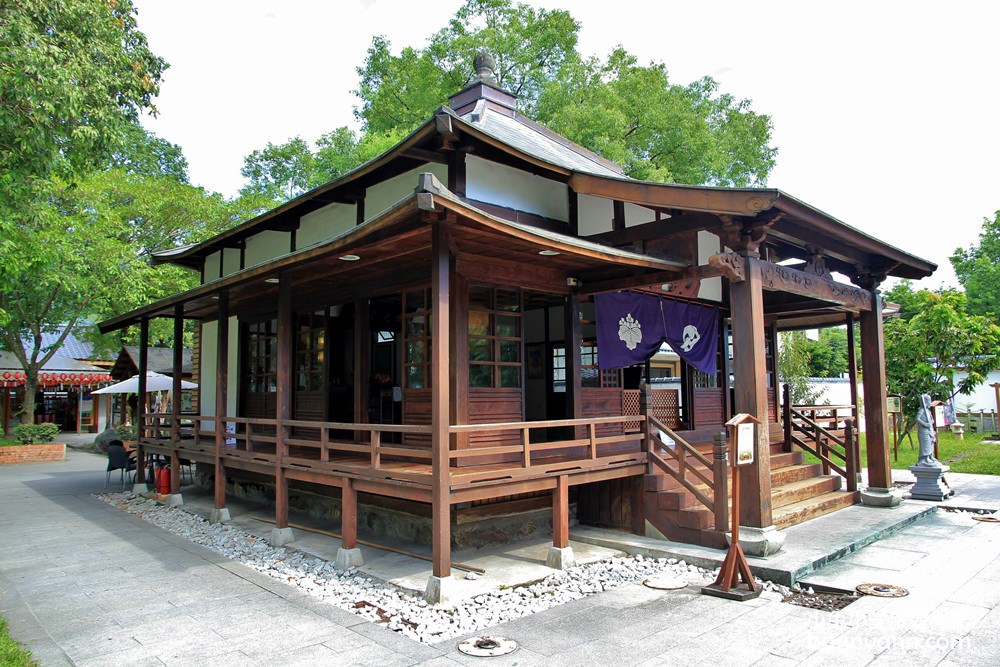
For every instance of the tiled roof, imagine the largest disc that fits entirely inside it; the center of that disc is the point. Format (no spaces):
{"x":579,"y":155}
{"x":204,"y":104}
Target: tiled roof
{"x":8,"y":362}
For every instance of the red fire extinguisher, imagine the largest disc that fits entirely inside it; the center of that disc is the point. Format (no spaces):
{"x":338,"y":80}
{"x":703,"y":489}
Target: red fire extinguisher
{"x":162,"y":479}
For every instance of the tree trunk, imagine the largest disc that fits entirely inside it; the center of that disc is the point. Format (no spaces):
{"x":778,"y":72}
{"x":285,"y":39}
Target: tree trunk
{"x":28,"y":405}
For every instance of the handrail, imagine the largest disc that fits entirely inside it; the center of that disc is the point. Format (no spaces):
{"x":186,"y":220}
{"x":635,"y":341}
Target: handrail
{"x":819,"y":440}
{"x":718,"y":501}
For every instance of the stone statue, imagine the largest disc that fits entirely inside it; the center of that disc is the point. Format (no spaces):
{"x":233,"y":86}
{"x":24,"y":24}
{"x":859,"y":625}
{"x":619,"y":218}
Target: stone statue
{"x":925,"y":433}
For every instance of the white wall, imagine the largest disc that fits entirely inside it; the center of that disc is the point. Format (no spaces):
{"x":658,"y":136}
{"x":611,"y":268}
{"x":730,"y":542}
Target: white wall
{"x":708,"y":245}
{"x":230,"y":261}
{"x":325,"y":223}
{"x":266,"y":245}
{"x":209,"y":362}
{"x":505,"y":186}
{"x":594,"y":215}
{"x":212,"y":266}
{"x":982,"y":397}
{"x":637,"y":215}
{"x":383,"y":195}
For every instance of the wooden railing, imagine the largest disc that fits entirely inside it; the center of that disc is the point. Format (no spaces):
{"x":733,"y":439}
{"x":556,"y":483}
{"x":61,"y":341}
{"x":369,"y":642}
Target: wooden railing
{"x":825,"y":433}
{"x":709,"y":482}
{"x":247,"y":435}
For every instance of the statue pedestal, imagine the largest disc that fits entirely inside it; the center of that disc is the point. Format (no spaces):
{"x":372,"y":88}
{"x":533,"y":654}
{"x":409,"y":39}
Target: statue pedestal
{"x":929,"y":484}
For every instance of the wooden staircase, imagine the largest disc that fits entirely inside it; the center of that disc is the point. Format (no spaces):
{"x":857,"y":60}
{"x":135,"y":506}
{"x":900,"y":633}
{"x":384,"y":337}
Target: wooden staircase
{"x":799,"y":492}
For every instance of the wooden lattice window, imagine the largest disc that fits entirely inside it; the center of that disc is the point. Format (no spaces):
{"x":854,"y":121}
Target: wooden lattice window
{"x":262,"y":357}
{"x":494,"y":337}
{"x":310,"y":352}
{"x":417,"y":338}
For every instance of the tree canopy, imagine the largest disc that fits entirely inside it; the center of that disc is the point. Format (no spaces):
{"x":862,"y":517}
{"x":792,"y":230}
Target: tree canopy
{"x":978,"y":270}
{"x":626,"y":111}
{"x":933,"y":340}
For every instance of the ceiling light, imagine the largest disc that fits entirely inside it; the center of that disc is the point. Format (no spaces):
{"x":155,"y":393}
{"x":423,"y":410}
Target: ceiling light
{"x":548,"y":253}
{"x":273,"y":281}
{"x":350,"y":258}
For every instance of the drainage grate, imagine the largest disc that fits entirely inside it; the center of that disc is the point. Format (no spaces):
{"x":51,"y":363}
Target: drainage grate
{"x":821,"y":601}
{"x":487,"y":646}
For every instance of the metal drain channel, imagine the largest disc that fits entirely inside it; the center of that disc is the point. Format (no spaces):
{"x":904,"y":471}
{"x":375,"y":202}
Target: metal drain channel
{"x":822,"y":601}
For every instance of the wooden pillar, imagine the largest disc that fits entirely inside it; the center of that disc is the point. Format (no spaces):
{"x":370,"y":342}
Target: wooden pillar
{"x":873,"y":374}
{"x":459,"y":358}
{"x":440,"y":401}
{"x":6,"y":411}
{"x":852,"y":369}
{"x":140,"y":404}
{"x":560,"y":513}
{"x":750,"y":369}
{"x":221,"y":402}
{"x":285,"y":361}
{"x":574,"y":342}
{"x":348,"y":515}
{"x":175,"y":403}
{"x":362,"y":364}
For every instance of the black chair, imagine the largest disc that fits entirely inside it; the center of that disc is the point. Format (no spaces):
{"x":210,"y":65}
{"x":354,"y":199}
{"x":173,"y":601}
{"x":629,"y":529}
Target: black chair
{"x":118,"y":459}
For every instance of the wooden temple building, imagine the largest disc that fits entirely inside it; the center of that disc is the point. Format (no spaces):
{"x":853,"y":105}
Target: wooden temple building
{"x":421,"y":334}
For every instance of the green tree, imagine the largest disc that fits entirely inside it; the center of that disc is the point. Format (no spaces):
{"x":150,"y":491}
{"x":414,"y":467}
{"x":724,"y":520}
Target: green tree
{"x":627,"y":112}
{"x":978,"y":269}
{"x":925,"y":352}
{"x":793,"y":366}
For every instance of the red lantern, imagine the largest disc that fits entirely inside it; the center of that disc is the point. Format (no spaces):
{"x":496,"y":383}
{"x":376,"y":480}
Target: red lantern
{"x":7,"y":375}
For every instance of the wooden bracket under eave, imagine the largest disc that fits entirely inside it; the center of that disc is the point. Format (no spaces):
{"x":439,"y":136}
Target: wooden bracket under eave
{"x":449,"y":135}
{"x":730,"y":265}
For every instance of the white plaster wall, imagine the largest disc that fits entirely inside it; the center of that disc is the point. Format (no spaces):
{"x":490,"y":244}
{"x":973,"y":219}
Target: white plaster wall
{"x":209,"y":362}
{"x":983,"y":397}
{"x":594,"y":214}
{"x":637,"y":215}
{"x":383,"y":195}
{"x":325,"y":223}
{"x":230,"y":261}
{"x":505,"y":186}
{"x":212,"y":266}
{"x":708,"y":245}
{"x":266,"y":245}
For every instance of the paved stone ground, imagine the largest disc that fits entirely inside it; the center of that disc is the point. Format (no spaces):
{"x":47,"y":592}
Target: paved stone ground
{"x":84,"y":584}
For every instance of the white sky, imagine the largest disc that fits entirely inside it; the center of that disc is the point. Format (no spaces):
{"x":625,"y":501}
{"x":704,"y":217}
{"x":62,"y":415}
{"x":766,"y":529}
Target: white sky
{"x":884,"y":112}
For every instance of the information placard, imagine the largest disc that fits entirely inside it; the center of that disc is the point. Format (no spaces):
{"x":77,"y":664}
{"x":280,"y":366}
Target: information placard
{"x":744,"y":444}
{"x":892,"y":404}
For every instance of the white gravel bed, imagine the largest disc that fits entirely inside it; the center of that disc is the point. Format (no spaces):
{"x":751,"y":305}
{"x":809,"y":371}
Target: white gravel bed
{"x":396,"y":609}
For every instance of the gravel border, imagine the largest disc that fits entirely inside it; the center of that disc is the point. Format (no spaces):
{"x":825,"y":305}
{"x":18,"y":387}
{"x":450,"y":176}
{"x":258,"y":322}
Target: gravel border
{"x":397,"y":609}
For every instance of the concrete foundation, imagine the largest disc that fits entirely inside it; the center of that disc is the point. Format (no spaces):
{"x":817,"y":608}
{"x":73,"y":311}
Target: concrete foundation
{"x":281,"y":536}
{"x":219,"y":515}
{"x":759,"y":542}
{"x":440,"y":590}
{"x":175,"y":499}
{"x":930,"y":483}
{"x":876,"y":496}
{"x":560,"y":558}
{"x":348,"y":558}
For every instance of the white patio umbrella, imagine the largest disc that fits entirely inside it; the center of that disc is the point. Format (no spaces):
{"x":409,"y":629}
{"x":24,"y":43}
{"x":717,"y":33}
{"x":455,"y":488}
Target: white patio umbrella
{"x":154,"y":382}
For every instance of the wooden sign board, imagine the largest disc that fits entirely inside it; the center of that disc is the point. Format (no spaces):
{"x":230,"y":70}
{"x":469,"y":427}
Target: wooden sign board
{"x":892,"y":404}
{"x":937,"y":409}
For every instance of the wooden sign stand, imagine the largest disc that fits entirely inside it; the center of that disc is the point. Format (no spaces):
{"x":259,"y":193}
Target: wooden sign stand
{"x":735,"y":567}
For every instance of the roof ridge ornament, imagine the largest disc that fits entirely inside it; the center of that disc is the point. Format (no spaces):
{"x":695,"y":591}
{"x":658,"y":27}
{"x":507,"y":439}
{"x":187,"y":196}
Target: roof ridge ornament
{"x":485,"y":66}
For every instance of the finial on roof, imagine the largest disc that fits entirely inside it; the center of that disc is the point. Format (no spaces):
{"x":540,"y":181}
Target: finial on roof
{"x":485,"y":65}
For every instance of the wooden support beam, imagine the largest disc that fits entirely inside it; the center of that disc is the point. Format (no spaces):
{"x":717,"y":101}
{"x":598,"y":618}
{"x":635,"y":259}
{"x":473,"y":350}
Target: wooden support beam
{"x":362,"y":363}
{"x":175,"y":399}
{"x":221,"y":401}
{"x":560,"y":513}
{"x":140,"y":405}
{"x":876,"y":417}
{"x":750,"y":371}
{"x":285,"y":361}
{"x":440,"y":401}
{"x":348,"y":515}
{"x":574,"y":342}
{"x":784,"y":279}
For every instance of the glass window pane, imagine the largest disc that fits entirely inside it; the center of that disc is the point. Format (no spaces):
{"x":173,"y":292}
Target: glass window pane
{"x":479,"y":298}
{"x":415,"y":351}
{"x":480,"y":349}
{"x":509,"y":327}
{"x":415,"y":326}
{"x":508,"y":300}
{"x":510,"y":376}
{"x":415,"y":377}
{"x":415,"y":301}
{"x":479,"y":323}
{"x":510,"y":351}
{"x":480,"y":375}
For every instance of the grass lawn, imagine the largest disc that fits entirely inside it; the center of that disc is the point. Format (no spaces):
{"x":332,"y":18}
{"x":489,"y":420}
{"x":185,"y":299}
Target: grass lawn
{"x":8,"y":442}
{"x":969,"y":455}
{"x":12,"y":653}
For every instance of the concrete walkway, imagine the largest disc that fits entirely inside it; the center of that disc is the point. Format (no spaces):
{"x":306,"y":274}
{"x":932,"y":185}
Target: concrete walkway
{"x":82,"y":583}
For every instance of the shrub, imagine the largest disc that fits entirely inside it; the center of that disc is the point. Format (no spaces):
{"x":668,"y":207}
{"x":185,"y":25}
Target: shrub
{"x":33,"y":434}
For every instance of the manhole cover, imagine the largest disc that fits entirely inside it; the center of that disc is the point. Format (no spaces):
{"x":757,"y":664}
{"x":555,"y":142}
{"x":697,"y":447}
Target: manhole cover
{"x":986,"y":519}
{"x":821,"y":601}
{"x":882,"y":590}
{"x":487,"y":646}
{"x":664,"y":582}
